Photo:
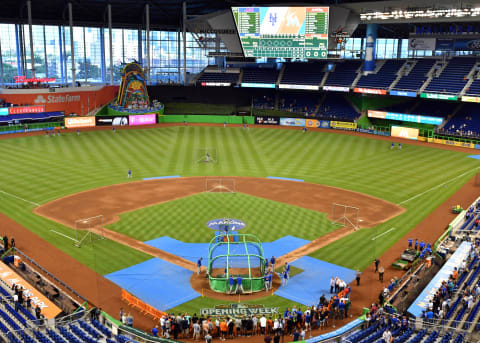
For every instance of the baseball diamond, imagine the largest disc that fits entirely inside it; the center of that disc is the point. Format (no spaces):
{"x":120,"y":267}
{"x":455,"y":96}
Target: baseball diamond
{"x":202,"y":171}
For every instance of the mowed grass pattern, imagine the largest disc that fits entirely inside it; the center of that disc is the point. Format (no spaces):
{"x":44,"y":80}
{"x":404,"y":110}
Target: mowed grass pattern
{"x":39,"y":169}
{"x":185,"y":219}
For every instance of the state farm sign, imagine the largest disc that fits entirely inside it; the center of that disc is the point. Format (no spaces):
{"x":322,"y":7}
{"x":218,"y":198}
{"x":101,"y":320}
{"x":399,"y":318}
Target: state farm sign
{"x":64,"y":99}
{"x":57,"y":99}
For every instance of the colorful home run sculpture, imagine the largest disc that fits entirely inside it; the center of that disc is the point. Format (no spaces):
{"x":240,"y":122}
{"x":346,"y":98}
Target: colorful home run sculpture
{"x":133,"y":93}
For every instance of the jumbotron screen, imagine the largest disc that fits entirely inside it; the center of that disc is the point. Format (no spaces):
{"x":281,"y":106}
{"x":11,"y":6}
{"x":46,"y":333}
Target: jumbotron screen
{"x":288,"y":32}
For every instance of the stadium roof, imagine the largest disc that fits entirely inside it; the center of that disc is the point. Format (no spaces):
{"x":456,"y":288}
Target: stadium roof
{"x":167,"y":14}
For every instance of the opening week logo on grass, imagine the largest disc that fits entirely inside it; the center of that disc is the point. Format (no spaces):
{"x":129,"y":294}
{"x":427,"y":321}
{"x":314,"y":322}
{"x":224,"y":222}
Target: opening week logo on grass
{"x":238,"y":310}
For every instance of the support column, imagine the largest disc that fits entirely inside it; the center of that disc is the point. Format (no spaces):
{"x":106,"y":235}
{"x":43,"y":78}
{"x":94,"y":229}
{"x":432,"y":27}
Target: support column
{"x":184,"y":26}
{"x":20,"y":48}
{"x":85,"y":55}
{"x":60,"y":41}
{"x":45,"y":51}
{"x":1,"y":64}
{"x":123,"y":46}
{"x":179,"y":56}
{"x":30,"y":32}
{"x":64,"y":45}
{"x":72,"y":48}
{"x":140,"y":53}
{"x":19,"y":59}
{"x":147,"y":38}
{"x":102,"y":53}
{"x":369,"y":64}
{"x":110,"y":44}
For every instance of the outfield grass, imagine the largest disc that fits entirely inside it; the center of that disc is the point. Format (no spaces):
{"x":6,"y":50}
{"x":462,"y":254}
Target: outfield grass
{"x":185,"y":219}
{"x":39,"y":169}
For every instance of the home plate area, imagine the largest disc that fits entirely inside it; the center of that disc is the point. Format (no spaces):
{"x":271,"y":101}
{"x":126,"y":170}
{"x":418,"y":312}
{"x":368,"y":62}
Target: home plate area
{"x":165,"y":285}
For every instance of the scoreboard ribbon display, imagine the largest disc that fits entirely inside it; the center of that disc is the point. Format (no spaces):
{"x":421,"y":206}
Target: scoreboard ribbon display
{"x":289,"y":32}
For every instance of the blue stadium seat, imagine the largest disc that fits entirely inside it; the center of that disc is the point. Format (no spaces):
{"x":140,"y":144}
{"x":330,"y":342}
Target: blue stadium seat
{"x":301,"y":73}
{"x":416,"y":77}
{"x":384,"y":77}
{"x":344,"y":74}
{"x":453,"y":77}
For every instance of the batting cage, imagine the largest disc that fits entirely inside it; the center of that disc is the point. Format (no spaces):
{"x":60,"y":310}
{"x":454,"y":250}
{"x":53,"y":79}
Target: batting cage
{"x":236,"y":255}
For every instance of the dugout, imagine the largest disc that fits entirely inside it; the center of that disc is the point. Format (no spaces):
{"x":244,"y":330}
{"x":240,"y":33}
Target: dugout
{"x":236,"y":254}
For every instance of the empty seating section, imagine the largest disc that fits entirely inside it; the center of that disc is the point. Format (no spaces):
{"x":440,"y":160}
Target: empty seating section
{"x":403,"y":107}
{"x":453,"y":78}
{"x":335,"y":106}
{"x":435,"y":108}
{"x":303,"y":73}
{"x":474,"y":88}
{"x":384,"y":77}
{"x":416,"y":77}
{"x":344,"y":74}
{"x":219,"y":77}
{"x":260,"y":75}
{"x":264,"y":102}
{"x":299,"y":102}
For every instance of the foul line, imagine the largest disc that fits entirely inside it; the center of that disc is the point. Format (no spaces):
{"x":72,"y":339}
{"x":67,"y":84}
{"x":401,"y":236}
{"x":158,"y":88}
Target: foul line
{"x":380,"y":235}
{"x":64,"y":235}
{"x":437,"y":186}
{"x":30,"y":202}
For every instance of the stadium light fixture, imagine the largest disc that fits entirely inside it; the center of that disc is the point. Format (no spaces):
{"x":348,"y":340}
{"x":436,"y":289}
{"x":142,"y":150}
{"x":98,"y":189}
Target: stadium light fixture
{"x":421,"y":13}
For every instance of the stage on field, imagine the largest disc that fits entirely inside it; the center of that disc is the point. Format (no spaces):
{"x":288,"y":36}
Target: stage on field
{"x":156,"y":282}
{"x":307,"y":287}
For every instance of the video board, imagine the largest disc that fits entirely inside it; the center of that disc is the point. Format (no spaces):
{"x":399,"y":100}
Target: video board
{"x":287,"y":32}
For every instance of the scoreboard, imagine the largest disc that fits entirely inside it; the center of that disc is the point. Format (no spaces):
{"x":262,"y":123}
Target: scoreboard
{"x":289,"y":32}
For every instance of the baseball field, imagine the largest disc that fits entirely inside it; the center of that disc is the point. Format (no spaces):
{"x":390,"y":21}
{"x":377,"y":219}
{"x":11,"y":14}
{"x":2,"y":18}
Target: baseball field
{"x":41,"y":171}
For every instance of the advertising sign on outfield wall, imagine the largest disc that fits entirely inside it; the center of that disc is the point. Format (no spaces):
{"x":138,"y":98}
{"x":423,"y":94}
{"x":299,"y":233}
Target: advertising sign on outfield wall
{"x":79,"y":100}
{"x":306,"y":87}
{"x":404,"y":93}
{"x":112,"y":121}
{"x":404,"y":132}
{"x":336,"y":89}
{"x":414,"y":118}
{"x":343,"y":125}
{"x":437,"y":96}
{"x":312,"y":123}
{"x":467,"y":98}
{"x":4,"y":111}
{"x":26,"y":109}
{"x":370,"y":91}
{"x":292,"y":122}
{"x":257,"y":85}
{"x":267,"y":120}
{"x":144,"y":119}
{"x":77,"y":122}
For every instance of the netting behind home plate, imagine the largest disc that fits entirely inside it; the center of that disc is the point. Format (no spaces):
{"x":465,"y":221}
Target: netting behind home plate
{"x":237,"y":255}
